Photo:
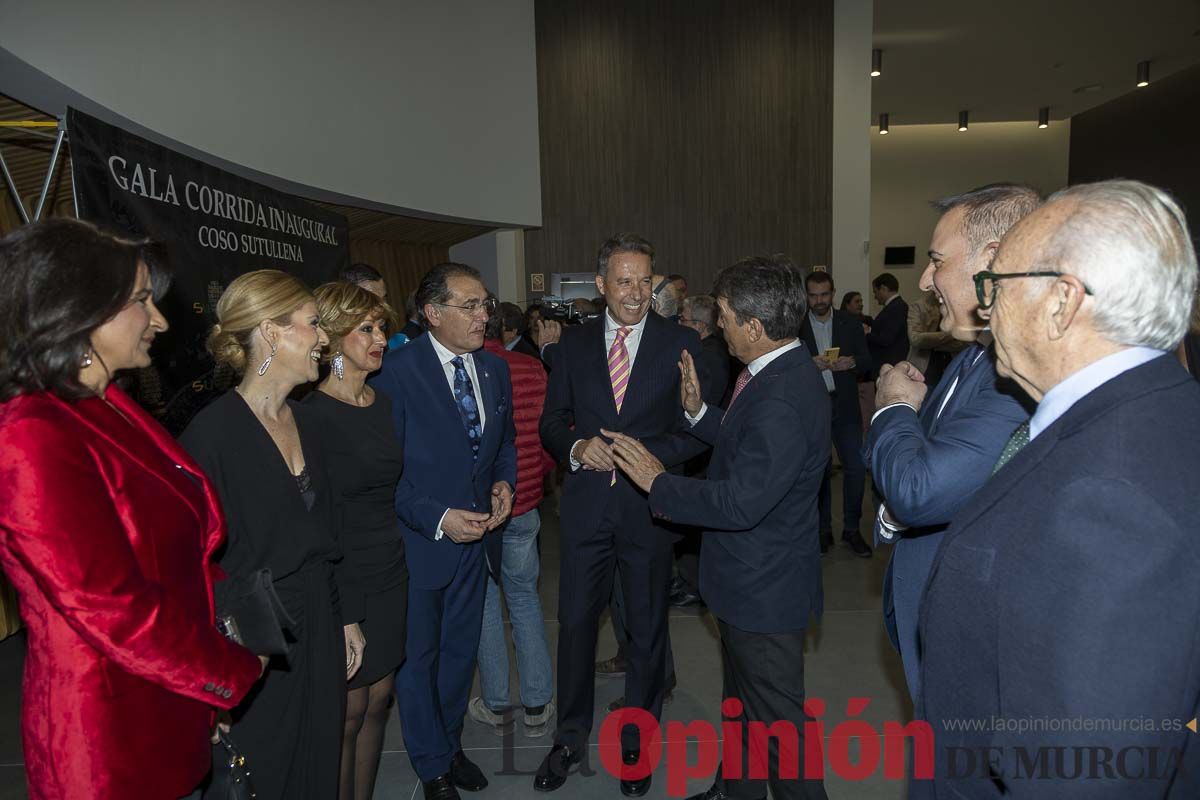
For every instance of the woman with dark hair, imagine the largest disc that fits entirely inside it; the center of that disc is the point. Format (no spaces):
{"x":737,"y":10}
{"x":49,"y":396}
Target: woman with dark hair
{"x":107,"y":529}
{"x":853,"y":303}
{"x":263,"y":454}
{"x":364,"y":459}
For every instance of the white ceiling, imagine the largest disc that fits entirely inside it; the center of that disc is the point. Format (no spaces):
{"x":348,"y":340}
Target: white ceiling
{"x":1003,"y":60}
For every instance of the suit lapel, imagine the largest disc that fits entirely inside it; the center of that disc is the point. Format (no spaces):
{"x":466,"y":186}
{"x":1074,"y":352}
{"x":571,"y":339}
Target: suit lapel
{"x":967,"y":379}
{"x":433,"y":373}
{"x":596,"y":353}
{"x":486,"y":390}
{"x":809,"y":337}
{"x":154,"y":455}
{"x":642,"y":368}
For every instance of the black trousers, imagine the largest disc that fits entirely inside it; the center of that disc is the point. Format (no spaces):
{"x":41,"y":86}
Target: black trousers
{"x":626,"y":538}
{"x":765,"y":671}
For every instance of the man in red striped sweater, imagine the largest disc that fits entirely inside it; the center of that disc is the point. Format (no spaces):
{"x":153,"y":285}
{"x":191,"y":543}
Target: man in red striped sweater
{"x":519,"y":564}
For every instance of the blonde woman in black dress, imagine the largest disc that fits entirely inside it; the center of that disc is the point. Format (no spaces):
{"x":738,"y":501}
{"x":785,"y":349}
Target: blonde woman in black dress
{"x":263,"y":454}
{"x":364,"y":459}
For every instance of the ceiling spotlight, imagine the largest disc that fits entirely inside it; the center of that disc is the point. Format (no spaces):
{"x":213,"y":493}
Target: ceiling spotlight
{"x":876,"y":63}
{"x":1044,"y":117}
{"x":962,"y":120}
{"x":883,"y":124}
{"x":1143,"y":74}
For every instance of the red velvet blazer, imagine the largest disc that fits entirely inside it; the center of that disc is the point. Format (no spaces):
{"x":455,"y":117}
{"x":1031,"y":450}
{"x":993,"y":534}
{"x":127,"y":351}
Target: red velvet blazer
{"x":107,"y":531}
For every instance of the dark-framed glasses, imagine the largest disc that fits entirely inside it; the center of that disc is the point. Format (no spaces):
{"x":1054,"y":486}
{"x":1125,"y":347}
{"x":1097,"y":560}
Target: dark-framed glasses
{"x":472,"y":308}
{"x":986,"y":283}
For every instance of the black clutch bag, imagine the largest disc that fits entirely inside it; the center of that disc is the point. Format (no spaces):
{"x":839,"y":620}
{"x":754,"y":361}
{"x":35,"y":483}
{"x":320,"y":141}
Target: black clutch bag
{"x":250,"y":613}
{"x":231,"y":775}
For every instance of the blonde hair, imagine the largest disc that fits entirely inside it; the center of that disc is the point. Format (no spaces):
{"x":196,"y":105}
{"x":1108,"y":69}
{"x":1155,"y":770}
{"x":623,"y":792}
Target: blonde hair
{"x":253,"y":298}
{"x":343,"y":305}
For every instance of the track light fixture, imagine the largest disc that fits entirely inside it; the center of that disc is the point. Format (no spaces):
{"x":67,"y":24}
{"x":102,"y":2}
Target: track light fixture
{"x":1044,"y":117}
{"x":883,"y":124}
{"x":962,"y":120}
{"x":876,"y":63}
{"x":1143,"y":74}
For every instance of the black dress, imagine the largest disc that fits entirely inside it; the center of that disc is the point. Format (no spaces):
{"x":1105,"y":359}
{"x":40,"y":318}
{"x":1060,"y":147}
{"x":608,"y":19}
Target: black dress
{"x":290,"y":726}
{"x":364,"y":459}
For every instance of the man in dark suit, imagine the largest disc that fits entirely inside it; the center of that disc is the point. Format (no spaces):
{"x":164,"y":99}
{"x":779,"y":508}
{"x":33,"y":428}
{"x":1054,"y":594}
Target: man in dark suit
{"x":760,"y":568}
{"x":1066,"y":588}
{"x":823,"y":329}
{"x":512,"y":320}
{"x":929,"y":455}
{"x":617,"y":373}
{"x":452,"y":406}
{"x":888,"y":337}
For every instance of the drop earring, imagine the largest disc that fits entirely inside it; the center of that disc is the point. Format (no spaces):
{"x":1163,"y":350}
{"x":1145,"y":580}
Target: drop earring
{"x":339,"y":366}
{"x":266,"y":364}
{"x":87,"y":360}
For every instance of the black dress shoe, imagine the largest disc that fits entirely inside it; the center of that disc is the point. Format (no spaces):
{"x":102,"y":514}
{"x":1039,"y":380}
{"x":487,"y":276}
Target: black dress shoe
{"x":634,"y":788}
{"x":465,"y":775}
{"x":440,"y":789}
{"x":860,"y":548}
{"x":552,"y":773}
{"x":684,"y":599}
{"x":676,"y":585}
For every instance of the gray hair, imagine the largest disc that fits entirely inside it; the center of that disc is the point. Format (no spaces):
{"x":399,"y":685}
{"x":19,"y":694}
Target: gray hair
{"x":1129,"y":243}
{"x":989,"y":211}
{"x":704,"y":310}
{"x":666,"y":302}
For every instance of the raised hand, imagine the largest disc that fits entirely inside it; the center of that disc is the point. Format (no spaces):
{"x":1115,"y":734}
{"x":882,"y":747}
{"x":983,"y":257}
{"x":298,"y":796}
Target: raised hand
{"x":689,"y":385}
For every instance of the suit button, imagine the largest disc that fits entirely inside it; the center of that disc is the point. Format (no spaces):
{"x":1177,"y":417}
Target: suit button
{"x":208,"y":687}
{"x":474,"y":505}
{"x":228,"y":693}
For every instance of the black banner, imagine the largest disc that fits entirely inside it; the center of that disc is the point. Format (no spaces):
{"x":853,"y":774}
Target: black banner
{"x":216,"y":226}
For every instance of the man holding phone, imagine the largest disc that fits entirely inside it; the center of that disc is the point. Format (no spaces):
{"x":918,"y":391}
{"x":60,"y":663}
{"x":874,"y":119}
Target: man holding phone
{"x":838,"y":347}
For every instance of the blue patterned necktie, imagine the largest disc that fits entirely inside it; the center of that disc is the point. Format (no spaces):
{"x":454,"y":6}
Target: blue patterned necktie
{"x":468,"y":407}
{"x":1016,"y":442}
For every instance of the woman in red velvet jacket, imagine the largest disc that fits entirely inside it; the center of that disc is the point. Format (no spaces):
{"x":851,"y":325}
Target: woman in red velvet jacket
{"x":107,"y":530}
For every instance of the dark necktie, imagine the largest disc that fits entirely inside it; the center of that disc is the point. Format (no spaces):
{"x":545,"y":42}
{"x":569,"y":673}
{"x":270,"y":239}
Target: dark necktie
{"x":468,"y":407}
{"x":1019,"y":439}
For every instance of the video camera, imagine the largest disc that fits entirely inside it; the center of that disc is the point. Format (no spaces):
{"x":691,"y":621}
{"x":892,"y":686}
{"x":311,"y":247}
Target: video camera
{"x":565,"y":311}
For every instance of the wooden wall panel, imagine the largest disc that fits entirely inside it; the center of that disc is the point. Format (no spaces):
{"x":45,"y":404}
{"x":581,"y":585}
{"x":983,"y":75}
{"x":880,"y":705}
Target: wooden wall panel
{"x":705,"y":125}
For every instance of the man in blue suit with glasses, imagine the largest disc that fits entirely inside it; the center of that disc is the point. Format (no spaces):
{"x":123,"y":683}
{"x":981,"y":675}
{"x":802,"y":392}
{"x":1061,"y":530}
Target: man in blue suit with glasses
{"x":452,"y":407}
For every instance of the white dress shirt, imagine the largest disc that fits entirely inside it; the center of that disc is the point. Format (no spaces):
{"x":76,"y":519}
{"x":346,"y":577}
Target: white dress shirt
{"x":632,"y":341}
{"x":756,"y":366}
{"x":823,"y":335}
{"x":444,"y":358}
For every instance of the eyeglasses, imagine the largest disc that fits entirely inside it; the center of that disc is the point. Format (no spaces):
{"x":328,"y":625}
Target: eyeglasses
{"x":986,"y":283}
{"x":472,"y":308}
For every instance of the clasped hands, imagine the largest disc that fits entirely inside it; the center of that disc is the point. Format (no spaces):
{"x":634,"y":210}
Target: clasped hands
{"x":902,"y":383}
{"x":464,"y":526}
{"x":627,"y":453}
{"x":842,"y":364}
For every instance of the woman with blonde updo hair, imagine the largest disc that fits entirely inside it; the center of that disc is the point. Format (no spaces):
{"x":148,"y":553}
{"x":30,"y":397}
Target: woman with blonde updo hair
{"x":263,"y":454}
{"x":364,"y":460}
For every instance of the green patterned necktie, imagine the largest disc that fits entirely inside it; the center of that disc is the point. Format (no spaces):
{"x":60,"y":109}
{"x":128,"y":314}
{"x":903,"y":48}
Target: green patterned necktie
{"x":1019,"y":439}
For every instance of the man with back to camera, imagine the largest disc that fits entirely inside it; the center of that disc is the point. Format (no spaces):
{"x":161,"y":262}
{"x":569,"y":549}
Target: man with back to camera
{"x":760,"y":567}
{"x":616,"y":372}
{"x":453,"y":412}
{"x":929,"y":455}
{"x":1066,"y":588}
{"x":826,"y":328}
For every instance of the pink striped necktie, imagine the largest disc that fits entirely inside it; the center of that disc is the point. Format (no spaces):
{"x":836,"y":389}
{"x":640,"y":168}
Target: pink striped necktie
{"x":742,"y":380}
{"x":618,"y":374}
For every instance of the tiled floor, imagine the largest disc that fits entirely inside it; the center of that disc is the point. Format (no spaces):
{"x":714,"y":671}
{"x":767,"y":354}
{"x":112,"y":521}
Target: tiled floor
{"x":848,"y":656}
